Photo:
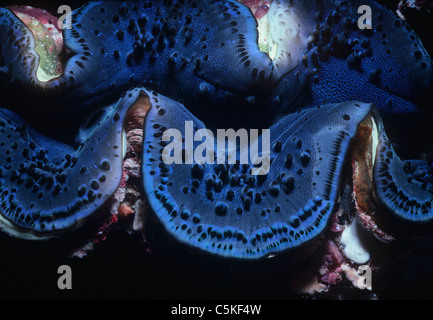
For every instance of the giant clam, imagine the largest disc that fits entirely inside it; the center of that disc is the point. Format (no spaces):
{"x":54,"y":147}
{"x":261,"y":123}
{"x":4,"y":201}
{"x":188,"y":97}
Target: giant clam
{"x":324,"y":88}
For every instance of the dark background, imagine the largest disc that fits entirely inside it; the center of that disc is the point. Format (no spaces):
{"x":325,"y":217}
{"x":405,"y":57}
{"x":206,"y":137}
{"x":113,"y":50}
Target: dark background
{"x":121,"y":268}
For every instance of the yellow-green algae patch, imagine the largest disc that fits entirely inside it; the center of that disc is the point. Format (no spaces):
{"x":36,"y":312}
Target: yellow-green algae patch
{"x":48,"y":40}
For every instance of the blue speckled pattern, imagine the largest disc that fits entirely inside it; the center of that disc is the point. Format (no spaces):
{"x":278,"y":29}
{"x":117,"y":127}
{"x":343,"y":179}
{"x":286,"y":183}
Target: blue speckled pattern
{"x":191,"y":50}
{"x":224,"y":209}
{"x":387,"y":65}
{"x":404,"y":187}
{"x":48,"y":186}
{"x":201,"y":62}
{"x":206,"y":53}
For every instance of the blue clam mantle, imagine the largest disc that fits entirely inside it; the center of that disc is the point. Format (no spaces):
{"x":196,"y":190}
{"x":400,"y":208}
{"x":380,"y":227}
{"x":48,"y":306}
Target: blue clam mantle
{"x":200,"y":61}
